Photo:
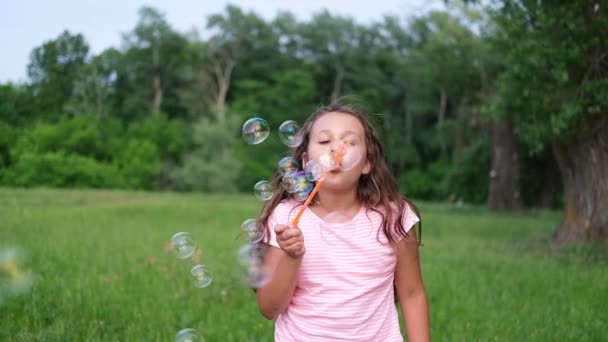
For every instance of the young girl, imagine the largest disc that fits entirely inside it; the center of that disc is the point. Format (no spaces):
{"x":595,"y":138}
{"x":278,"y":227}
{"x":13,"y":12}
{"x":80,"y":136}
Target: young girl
{"x":334,"y":280}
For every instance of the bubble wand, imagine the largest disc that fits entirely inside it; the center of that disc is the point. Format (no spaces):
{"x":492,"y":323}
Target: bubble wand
{"x":337,"y":157}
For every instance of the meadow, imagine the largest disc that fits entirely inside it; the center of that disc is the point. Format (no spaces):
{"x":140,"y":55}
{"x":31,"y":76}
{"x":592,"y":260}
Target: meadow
{"x":101,"y":273}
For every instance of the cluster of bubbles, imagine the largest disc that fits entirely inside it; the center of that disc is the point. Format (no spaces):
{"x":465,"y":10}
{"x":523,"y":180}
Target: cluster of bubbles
{"x":298,"y":181}
{"x":15,"y":278}
{"x":255,"y":131}
{"x":183,"y":246}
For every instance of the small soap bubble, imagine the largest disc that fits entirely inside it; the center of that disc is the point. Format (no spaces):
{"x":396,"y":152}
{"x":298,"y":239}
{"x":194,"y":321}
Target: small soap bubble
{"x":301,"y":196}
{"x":255,"y":131}
{"x":258,"y":276}
{"x":250,"y":254}
{"x":288,"y":165}
{"x":202,"y":276}
{"x":327,"y":161}
{"x":15,"y":277}
{"x":253,"y":231}
{"x":263,"y":190}
{"x":188,"y":335}
{"x":313,"y":170}
{"x":183,"y":245}
{"x":288,"y":182}
{"x":289,"y":132}
{"x":352,"y":156}
{"x":296,"y":182}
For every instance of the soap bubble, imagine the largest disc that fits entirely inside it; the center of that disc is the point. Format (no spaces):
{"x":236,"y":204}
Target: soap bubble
{"x":296,"y":182}
{"x":288,"y":165}
{"x":188,"y":335}
{"x":346,"y":154}
{"x":289,"y":132}
{"x":351,"y":158}
{"x":251,"y":257}
{"x":253,"y":231}
{"x":313,"y":170}
{"x":15,"y":278}
{"x":301,"y":196}
{"x":250,"y":254}
{"x":327,"y":161}
{"x":258,"y":276}
{"x":202,"y":276}
{"x":263,"y":190}
{"x":183,"y":245}
{"x":255,"y":131}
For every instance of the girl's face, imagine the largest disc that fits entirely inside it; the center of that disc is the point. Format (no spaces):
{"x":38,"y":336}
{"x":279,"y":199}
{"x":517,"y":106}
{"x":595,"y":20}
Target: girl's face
{"x":328,"y":133}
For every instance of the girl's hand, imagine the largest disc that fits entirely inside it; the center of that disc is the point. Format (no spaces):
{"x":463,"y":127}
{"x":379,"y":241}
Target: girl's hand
{"x":290,"y":240}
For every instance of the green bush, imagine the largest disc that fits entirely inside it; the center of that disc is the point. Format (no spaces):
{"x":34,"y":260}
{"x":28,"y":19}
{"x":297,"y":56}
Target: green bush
{"x":170,"y":137}
{"x":57,"y":169}
{"x":8,"y":137}
{"x":210,"y":166}
{"x":139,"y":162}
{"x":468,"y":177}
{"x":425,"y":184}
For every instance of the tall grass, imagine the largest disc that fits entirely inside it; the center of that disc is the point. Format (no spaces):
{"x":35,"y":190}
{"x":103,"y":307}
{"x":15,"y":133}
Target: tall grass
{"x":102,"y":274}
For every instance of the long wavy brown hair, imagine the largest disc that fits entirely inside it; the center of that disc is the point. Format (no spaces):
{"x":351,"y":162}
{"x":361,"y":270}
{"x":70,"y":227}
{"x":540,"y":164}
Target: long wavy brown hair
{"x":377,"y":190}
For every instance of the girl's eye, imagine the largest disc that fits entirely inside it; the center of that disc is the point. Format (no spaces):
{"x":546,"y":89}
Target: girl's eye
{"x":323,"y":142}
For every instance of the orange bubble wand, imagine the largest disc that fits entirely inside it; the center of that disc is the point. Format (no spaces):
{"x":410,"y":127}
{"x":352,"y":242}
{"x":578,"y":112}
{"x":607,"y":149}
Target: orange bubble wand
{"x":337,"y":157}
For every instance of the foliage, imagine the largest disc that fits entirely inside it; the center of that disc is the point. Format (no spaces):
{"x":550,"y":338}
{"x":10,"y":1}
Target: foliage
{"x":53,"y":69}
{"x":58,"y":169}
{"x":429,"y":80}
{"x":554,"y":80}
{"x":467,"y":180}
{"x":425,"y":184}
{"x":210,"y":165}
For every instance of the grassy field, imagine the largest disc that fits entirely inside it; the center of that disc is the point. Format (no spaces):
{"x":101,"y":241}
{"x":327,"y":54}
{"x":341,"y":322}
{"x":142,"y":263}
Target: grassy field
{"x":102,"y":274}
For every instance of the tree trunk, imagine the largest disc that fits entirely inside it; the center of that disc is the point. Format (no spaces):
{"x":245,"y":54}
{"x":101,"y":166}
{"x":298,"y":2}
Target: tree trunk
{"x":504,"y":186}
{"x":158,"y":95}
{"x":223,"y":76}
{"x":443,"y":103}
{"x":583,"y":163}
{"x":158,"y":89}
{"x":461,"y":134}
{"x":337,"y":88}
{"x":549,"y":182}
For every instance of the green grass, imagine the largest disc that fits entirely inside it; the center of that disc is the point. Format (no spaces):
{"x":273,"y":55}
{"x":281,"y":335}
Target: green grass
{"x":102,"y":273}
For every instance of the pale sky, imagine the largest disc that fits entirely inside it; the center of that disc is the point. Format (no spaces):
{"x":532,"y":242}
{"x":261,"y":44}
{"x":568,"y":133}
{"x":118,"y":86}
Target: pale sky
{"x":26,"y":24}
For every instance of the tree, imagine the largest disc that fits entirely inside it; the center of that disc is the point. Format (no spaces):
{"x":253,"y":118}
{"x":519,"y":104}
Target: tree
{"x":94,"y":86}
{"x":53,"y":69}
{"x":235,"y":36}
{"x":153,"y":53}
{"x":327,"y":41}
{"x":555,"y":84}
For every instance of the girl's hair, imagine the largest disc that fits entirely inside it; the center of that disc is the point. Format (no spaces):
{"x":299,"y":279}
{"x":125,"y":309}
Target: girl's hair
{"x":376,"y":190}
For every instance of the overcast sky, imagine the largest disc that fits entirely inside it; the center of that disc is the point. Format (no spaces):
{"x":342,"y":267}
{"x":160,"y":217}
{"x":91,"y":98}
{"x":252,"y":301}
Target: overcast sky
{"x":26,"y":24}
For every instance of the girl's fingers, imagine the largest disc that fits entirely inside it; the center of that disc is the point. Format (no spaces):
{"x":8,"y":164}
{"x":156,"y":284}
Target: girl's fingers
{"x":291,"y":241}
{"x":290,"y":233}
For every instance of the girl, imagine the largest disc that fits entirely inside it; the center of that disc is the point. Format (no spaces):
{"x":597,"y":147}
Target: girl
{"x":335,"y":281}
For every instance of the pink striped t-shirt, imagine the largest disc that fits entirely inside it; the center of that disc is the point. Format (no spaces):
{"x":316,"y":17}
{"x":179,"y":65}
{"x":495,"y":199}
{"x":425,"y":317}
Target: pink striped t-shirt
{"x":344,"y":290}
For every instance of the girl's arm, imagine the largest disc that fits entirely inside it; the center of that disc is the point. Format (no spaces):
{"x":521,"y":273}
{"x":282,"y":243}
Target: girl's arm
{"x":274,"y":297}
{"x":410,"y":289}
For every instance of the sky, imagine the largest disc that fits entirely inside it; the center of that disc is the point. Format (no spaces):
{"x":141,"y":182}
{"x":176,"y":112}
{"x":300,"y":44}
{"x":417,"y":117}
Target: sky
{"x":27,"y":24}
